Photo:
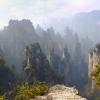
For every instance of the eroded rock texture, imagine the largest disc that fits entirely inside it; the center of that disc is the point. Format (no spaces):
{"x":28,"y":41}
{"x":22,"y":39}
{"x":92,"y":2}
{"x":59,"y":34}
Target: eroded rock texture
{"x":94,"y":60}
{"x":61,"y":92}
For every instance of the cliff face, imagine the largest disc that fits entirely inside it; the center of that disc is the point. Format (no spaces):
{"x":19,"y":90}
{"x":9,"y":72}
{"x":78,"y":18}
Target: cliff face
{"x":52,"y":69}
{"x":94,"y":57}
{"x":94,"y":60}
{"x":13,"y":40}
{"x":36,"y":65}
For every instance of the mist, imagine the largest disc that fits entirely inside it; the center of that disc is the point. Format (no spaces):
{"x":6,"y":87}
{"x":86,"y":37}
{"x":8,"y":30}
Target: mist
{"x":48,"y":45}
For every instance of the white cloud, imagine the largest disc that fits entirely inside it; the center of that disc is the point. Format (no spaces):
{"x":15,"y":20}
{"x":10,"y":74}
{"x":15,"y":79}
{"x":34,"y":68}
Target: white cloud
{"x":3,"y":2}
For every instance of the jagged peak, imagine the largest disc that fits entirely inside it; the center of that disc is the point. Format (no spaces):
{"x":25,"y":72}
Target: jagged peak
{"x":19,"y":23}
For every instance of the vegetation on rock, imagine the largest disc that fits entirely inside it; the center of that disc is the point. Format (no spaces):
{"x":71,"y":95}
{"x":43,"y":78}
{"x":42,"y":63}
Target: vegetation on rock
{"x":95,"y":74}
{"x":26,"y":91}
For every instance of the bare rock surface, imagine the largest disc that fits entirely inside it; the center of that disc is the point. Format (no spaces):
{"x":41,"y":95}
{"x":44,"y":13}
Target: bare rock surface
{"x":94,"y":57}
{"x":61,"y":92}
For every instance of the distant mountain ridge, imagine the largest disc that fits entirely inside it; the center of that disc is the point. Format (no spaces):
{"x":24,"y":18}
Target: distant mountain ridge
{"x":14,"y":38}
{"x":86,"y":24}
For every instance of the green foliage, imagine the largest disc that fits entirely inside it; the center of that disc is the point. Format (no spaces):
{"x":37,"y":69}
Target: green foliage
{"x":42,"y":87}
{"x":95,"y":74}
{"x":26,"y":91}
{"x":1,"y":98}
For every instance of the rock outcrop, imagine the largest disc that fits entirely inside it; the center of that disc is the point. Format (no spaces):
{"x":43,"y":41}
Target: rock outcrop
{"x":61,"y":92}
{"x":36,"y":65}
{"x":94,"y":57}
{"x":94,"y":60}
{"x":54,"y":68}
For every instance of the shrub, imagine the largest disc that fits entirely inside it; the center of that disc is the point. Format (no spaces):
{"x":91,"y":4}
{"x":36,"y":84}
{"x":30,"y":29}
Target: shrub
{"x":41,"y":87}
{"x":1,"y":98}
{"x":26,"y":91}
{"x":95,"y":74}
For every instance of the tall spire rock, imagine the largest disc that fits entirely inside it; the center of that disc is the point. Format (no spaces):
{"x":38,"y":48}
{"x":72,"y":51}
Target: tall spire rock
{"x":49,"y":55}
{"x":27,"y":52}
{"x":62,"y":54}
{"x":94,"y":57}
{"x":36,"y":64}
{"x":94,"y":60}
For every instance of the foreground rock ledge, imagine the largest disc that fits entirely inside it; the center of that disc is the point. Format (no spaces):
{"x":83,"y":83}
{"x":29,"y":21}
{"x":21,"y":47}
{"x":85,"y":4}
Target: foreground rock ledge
{"x":61,"y":92}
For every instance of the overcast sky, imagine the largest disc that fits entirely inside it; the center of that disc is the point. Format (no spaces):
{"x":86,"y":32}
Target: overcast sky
{"x":42,"y":11}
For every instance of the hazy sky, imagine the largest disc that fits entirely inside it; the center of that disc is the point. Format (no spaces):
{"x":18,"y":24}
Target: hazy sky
{"x":42,"y":11}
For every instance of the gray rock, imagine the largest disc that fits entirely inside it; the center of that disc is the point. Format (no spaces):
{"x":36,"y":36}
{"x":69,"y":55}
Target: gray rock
{"x":94,"y":60}
{"x":61,"y":92}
